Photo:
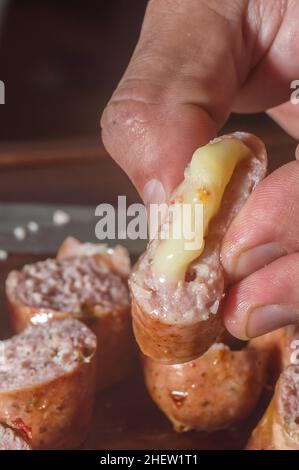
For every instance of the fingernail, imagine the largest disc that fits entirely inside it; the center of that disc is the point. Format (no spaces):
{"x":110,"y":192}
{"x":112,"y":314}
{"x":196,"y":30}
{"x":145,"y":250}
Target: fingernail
{"x":267,"y":318}
{"x":256,"y":258}
{"x":153,"y":193}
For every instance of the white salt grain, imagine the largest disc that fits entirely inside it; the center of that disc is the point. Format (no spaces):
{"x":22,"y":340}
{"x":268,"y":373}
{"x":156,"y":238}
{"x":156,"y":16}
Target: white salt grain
{"x":60,"y":217}
{"x":19,"y":233}
{"x":33,"y":226}
{"x":3,"y":255}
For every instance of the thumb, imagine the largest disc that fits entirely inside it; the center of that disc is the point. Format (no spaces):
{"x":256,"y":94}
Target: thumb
{"x":154,"y":145}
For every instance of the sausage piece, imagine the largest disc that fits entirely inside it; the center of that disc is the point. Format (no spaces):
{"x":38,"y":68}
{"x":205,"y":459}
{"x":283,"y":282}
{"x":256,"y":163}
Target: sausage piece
{"x":11,"y":439}
{"x":211,"y":392}
{"x":47,"y":383}
{"x":279,"y":427}
{"x":87,"y":282}
{"x":175,"y":322}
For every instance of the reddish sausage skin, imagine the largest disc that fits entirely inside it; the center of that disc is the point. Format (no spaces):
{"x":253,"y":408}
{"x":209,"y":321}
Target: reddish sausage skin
{"x":212,"y":392}
{"x":175,"y":323}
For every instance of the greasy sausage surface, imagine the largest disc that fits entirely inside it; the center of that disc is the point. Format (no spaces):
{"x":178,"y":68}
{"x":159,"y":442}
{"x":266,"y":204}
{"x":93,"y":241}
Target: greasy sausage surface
{"x":11,"y":439}
{"x":217,"y":389}
{"x":279,"y":427}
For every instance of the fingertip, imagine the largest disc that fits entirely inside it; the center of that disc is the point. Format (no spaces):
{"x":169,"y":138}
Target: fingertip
{"x":264,"y":301}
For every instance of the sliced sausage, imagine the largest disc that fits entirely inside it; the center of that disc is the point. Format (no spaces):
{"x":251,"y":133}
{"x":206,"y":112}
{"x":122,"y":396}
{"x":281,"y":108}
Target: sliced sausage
{"x":279,"y":427}
{"x":47,"y":383}
{"x":11,"y":439}
{"x":177,"y":322}
{"x":87,"y":282}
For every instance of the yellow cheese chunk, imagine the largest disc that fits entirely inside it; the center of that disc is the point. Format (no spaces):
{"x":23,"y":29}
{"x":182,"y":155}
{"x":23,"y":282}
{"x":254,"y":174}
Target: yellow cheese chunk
{"x":206,"y":178}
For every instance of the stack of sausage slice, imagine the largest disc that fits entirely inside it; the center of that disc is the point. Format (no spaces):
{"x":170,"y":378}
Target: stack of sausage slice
{"x":73,"y":317}
{"x":87,"y":282}
{"x":279,"y":427}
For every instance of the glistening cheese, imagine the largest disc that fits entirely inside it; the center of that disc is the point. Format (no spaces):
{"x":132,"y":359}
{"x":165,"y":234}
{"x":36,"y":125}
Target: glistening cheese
{"x":206,"y":178}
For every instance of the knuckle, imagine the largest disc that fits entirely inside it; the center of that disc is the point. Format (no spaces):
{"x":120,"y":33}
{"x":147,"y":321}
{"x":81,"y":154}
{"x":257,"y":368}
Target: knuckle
{"x":130,"y":113}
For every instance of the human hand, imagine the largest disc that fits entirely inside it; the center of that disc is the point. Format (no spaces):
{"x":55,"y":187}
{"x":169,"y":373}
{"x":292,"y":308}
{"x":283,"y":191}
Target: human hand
{"x":195,"y":62}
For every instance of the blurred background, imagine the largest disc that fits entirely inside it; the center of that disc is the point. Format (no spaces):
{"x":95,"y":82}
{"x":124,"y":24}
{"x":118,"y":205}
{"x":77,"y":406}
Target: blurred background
{"x":60,"y":61}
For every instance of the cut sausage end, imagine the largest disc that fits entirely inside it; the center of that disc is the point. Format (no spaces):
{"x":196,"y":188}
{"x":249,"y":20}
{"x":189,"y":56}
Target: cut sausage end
{"x":40,"y":354}
{"x":74,"y":285}
{"x":47,"y":383}
{"x":87,"y":282}
{"x":10,"y":439}
{"x":218,"y":389}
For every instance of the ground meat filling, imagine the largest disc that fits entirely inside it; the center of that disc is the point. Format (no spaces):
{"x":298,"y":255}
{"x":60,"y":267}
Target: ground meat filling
{"x":185,"y":301}
{"x":200,"y":294}
{"x":290,"y":399}
{"x":10,"y":440}
{"x":42,"y":354}
{"x":71,"y":285}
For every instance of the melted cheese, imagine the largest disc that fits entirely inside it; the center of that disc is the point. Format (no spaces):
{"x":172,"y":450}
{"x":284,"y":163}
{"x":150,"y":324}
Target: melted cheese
{"x":206,"y":178}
